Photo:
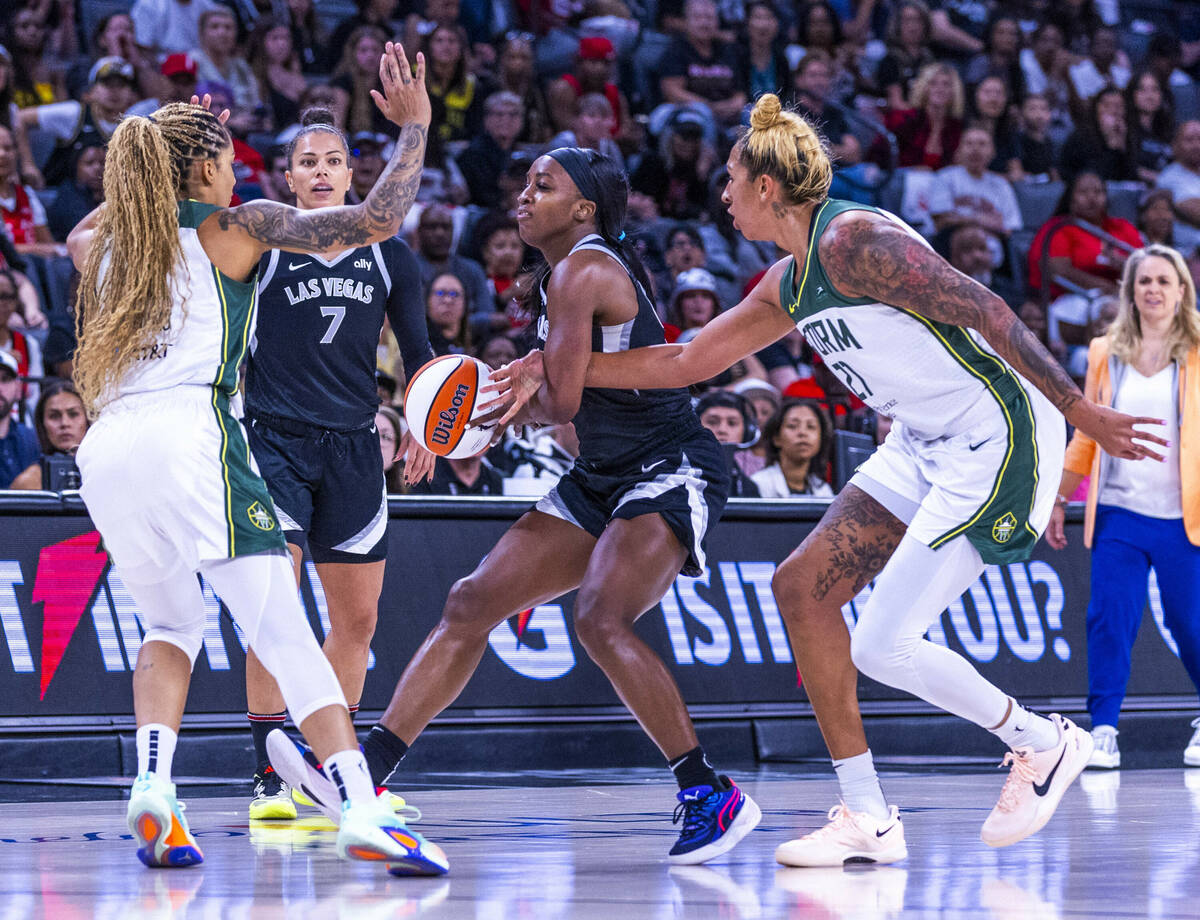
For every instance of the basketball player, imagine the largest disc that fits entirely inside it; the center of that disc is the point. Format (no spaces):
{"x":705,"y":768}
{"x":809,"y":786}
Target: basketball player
{"x":967,"y":476}
{"x":166,"y":311}
{"x":631,"y":513}
{"x":310,"y":410}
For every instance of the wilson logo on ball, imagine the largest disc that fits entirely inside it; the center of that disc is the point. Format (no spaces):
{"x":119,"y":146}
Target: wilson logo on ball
{"x":441,"y":400}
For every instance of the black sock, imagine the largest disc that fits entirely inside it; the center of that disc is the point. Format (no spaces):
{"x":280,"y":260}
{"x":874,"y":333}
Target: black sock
{"x":384,"y":751}
{"x":693,"y":769}
{"x":261,"y":725}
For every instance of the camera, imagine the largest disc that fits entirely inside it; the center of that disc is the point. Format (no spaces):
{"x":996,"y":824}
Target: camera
{"x":59,"y":473}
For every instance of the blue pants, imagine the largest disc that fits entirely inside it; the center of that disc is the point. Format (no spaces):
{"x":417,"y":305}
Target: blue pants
{"x":1125,"y":547}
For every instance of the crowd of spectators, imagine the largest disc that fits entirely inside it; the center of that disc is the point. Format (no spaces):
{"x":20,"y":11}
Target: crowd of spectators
{"x":1036,"y":143}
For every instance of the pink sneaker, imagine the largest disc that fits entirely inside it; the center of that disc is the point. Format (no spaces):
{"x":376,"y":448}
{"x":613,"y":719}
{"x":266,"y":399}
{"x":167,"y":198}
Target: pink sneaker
{"x":1036,"y":784}
{"x":849,"y":837}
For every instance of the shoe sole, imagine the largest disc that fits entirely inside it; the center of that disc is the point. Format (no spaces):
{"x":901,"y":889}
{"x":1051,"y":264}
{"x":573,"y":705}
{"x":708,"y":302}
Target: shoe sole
{"x":290,"y":764}
{"x":413,"y":861}
{"x":1191,"y":760}
{"x":266,"y":811}
{"x":1050,"y":804}
{"x":152,"y":832}
{"x":747,"y":819}
{"x":1098,"y":763}
{"x":852,"y":858}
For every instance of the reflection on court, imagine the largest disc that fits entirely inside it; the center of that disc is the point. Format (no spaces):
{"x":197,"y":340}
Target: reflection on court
{"x":569,"y":846}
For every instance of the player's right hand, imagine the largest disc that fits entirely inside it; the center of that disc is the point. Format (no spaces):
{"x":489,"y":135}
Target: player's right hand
{"x":404,"y":100}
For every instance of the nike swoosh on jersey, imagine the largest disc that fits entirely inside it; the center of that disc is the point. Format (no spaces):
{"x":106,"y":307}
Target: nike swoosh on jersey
{"x":647,"y":467}
{"x":292,"y":266}
{"x":976,"y":446}
{"x":1042,"y":788}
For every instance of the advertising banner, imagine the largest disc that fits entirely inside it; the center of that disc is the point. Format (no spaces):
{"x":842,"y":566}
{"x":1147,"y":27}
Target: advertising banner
{"x":70,"y":633}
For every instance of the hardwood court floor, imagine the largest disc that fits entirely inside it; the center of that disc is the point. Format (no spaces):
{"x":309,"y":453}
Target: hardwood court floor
{"x":592,"y":845}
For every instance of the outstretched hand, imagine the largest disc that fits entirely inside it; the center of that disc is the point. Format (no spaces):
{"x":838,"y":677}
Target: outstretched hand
{"x":418,"y":462}
{"x":206,"y":103}
{"x":404,"y":99}
{"x":1115,"y":434}
{"x":514,"y":385}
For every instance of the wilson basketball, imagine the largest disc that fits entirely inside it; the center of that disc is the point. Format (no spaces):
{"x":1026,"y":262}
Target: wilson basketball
{"x":441,"y":398}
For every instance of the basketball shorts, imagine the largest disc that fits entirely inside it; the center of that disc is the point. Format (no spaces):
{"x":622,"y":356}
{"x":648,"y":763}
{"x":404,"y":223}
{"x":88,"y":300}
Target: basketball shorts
{"x":169,"y":482}
{"x":994,"y":483}
{"x":687,"y":483}
{"x":327,"y":485}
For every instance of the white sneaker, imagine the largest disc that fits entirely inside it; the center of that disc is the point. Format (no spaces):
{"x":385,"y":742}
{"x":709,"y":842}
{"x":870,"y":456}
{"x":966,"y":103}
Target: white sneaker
{"x":297,"y":766}
{"x":1036,"y":784}
{"x":156,"y":818}
{"x":1106,"y":755}
{"x":849,"y":837}
{"x":1191,"y":753}
{"x":371,"y":831}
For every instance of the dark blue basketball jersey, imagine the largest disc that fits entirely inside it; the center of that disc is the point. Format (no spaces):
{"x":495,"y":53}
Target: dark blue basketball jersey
{"x":615,"y":425}
{"x":312,"y":356}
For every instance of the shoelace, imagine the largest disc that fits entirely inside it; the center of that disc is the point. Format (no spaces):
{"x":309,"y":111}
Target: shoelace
{"x":1022,"y":773}
{"x":689,"y":810}
{"x":839,"y":816}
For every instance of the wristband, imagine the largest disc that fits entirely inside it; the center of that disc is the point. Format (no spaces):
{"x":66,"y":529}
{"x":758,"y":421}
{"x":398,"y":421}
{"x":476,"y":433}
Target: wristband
{"x":1062,"y":501}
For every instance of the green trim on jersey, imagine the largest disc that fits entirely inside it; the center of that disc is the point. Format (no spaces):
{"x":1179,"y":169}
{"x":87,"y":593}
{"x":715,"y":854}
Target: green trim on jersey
{"x":237,"y":303}
{"x":250,"y":519}
{"x":1000,"y":529}
{"x":815,"y":292}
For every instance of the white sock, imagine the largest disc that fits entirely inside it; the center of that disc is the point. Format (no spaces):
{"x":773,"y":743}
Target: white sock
{"x":155,"y":749}
{"x":860,"y":785}
{"x":348,"y":771}
{"x":1023,"y":728}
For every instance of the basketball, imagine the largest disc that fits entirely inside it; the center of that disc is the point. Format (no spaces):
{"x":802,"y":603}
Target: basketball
{"x":439,"y":401}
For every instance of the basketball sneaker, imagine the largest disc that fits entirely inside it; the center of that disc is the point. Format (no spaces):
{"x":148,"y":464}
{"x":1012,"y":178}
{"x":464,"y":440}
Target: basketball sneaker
{"x":371,"y":831}
{"x":272,"y":797}
{"x":1191,"y":753}
{"x":156,"y":818}
{"x":850,"y":837}
{"x":714,"y":820}
{"x":1105,"y":755}
{"x":298,"y":767}
{"x":1035,"y":785}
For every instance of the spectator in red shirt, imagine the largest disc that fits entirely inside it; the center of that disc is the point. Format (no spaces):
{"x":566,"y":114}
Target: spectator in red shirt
{"x":928,"y":133}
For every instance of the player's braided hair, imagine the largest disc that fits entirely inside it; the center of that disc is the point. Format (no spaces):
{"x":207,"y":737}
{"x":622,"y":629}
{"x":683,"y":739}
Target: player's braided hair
{"x":125,"y":294}
{"x":782,"y":145}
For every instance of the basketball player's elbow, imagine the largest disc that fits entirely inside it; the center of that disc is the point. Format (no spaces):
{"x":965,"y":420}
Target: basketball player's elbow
{"x":557,"y":407}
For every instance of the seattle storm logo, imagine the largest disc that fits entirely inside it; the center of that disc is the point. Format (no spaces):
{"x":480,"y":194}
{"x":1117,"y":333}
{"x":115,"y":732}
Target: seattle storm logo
{"x":1004,"y":527}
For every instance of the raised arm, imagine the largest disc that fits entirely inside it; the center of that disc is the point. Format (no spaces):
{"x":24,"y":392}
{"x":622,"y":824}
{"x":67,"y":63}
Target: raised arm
{"x":271,"y":225}
{"x":751,"y":326}
{"x":866,"y":255}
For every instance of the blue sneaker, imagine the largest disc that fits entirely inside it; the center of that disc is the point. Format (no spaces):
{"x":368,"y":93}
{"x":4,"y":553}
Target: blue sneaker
{"x":714,"y":820}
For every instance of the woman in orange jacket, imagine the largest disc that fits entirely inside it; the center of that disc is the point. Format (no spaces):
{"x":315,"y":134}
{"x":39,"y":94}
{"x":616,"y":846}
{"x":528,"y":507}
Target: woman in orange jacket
{"x":1148,"y":515}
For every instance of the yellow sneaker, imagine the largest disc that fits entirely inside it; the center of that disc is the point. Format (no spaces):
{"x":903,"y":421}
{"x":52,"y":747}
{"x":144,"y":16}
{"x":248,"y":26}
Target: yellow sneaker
{"x":272,"y":797}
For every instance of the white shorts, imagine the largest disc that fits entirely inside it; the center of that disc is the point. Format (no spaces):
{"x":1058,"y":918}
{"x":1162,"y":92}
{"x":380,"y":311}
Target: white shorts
{"x":994,"y":483}
{"x":169,"y":482}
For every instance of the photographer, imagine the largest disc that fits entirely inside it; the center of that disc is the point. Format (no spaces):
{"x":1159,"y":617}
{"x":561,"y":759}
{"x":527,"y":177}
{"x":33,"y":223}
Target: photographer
{"x":61,"y":422}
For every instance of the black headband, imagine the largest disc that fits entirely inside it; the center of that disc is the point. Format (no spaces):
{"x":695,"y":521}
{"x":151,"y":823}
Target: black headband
{"x":575,"y":161}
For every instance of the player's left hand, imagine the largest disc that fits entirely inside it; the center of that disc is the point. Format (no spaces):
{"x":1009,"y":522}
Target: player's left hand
{"x":514,"y":385}
{"x":1115,"y":433}
{"x":206,"y":103}
{"x":418,"y":462}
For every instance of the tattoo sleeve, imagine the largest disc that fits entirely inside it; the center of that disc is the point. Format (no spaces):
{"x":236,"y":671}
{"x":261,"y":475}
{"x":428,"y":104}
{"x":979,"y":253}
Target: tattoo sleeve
{"x":872,"y":257}
{"x":280,"y":226}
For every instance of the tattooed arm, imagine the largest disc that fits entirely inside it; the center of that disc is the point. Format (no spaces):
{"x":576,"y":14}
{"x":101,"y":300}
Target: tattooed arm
{"x":251,"y":229}
{"x":870,"y":256}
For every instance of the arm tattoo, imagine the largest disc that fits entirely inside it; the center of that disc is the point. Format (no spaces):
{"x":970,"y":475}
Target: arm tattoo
{"x":872,"y":257}
{"x":378,"y":217}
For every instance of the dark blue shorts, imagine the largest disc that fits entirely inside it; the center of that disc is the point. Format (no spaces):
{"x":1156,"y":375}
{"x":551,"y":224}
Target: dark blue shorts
{"x":687,"y":482}
{"x":327,"y":487}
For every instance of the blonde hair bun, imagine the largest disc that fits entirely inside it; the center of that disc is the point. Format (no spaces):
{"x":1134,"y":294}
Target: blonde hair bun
{"x":766,"y":113}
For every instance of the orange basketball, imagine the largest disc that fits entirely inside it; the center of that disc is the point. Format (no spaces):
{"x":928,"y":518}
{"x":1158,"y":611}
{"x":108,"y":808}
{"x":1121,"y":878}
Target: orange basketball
{"x":441,"y":398}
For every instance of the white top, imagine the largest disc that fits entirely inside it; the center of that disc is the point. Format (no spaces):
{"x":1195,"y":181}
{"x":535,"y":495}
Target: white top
{"x":772,"y":484}
{"x":60,"y":119}
{"x":169,"y":25}
{"x":1147,"y":486}
{"x":207,"y":334}
{"x":1088,"y":80}
{"x":1183,"y":184}
{"x":36,"y":208}
{"x":957,"y":190}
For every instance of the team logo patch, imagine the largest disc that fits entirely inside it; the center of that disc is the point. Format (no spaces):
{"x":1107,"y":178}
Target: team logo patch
{"x":1004,"y":528}
{"x":260,"y":517}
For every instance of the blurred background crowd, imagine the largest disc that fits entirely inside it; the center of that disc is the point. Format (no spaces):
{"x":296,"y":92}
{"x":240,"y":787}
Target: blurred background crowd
{"x":1036,"y":143}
